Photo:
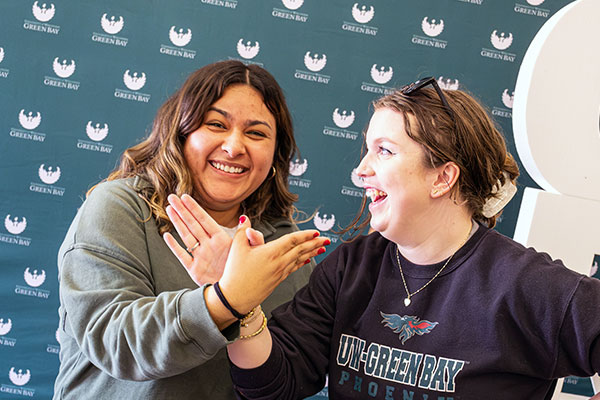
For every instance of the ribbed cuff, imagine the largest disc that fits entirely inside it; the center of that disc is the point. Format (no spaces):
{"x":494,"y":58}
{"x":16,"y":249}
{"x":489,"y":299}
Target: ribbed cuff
{"x":261,"y":376}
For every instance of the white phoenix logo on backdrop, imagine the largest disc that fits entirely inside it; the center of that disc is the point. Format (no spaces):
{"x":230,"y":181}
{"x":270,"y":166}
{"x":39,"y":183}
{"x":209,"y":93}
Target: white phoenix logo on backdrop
{"x":314,"y":63}
{"x":501,"y":42}
{"x":325,"y":222}
{"x":297,"y":168}
{"x":247,"y":50}
{"x":292,"y":4}
{"x":380,"y":75}
{"x":356,"y":179}
{"x":15,"y":226}
{"x":50,"y":175}
{"x":448,"y":84}
{"x":179,"y":37}
{"x":507,"y":99}
{"x":362,"y":15}
{"x":5,"y":326}
{"x":111,"y":26}
{"x":344,"y":119}
{"x":19,"y":378}
{"x":43,"y":13}
{"x":63,"y":69}
{"x":29,"y":121}
{"x":135,"y":81}
{"x":34,"y":279}
{"x":432,"y":28}
{"x":96,"y":132}
{"x":1,"y":54}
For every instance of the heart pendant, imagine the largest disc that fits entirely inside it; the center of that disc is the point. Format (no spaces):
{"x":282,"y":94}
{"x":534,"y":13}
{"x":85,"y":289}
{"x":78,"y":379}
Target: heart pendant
{"x":407,"y":301}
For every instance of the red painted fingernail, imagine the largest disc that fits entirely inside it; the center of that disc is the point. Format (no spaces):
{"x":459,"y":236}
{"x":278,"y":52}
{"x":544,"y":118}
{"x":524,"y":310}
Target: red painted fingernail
{"x":242,"y":219}
{"x":321,"y":250}
{"x":307,"y":261}
{"x":316,"y":234}
{"x":327,"y":242}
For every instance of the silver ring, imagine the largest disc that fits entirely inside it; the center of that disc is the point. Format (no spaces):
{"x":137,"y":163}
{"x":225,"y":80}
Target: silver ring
{"x":191,"y":249}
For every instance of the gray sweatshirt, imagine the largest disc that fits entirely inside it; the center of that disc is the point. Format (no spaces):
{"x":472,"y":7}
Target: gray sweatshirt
{"x":133,"y":324}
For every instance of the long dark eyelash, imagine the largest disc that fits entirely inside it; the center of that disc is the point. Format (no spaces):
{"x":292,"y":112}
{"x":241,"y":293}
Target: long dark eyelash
{"x":258,"y":133}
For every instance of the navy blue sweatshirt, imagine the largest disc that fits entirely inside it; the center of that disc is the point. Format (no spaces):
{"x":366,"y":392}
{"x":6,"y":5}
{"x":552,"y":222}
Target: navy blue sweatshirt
{"x":500,"y":322}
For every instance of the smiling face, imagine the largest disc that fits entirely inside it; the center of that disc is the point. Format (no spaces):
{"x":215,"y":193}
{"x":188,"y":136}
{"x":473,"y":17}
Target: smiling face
{"x":395,"y":177}
{"x":231,"y":154}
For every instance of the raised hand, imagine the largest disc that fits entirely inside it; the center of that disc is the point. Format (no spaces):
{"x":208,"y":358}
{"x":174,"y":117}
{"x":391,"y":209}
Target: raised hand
{"x":207,"y":243}
{"x":253,"y":272}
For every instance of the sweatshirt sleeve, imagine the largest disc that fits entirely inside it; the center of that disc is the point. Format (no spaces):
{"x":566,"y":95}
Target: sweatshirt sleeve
{"x":108,"y":300}
{"x":301,"y":332}
{"x":579,"y":338}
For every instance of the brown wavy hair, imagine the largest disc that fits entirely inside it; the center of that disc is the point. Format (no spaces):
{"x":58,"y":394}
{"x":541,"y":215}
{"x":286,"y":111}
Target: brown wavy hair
{"x":471,"y":140}
{"x":159,"y":158}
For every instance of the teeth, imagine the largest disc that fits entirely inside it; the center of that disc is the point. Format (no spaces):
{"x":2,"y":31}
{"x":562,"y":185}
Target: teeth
{"x":227,"y":168}
{"x":375,"y":194}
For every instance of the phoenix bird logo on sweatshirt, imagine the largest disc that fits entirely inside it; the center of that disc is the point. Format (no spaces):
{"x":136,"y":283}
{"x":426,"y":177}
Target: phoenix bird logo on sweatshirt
{"x":407,"y":326}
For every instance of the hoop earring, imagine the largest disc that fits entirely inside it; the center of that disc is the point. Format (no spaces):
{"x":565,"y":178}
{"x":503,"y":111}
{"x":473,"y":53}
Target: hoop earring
{"x":273,"y":171}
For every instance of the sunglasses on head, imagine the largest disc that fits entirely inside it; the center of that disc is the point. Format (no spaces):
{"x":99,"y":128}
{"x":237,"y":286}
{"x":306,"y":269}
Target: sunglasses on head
{"x":421,"y":83}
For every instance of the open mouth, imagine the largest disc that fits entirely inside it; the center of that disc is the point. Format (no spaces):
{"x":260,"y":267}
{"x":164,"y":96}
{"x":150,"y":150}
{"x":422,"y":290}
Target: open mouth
{"x":376,"y":195}
{"x":227,"y":168}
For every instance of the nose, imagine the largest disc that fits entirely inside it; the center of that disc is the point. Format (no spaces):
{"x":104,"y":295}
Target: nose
{"x":233,"y":143}
{"x":364,"y":169}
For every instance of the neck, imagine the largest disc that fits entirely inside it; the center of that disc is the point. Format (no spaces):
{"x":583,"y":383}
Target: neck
{"x":439,"y":239}
{"x":228,"y":218}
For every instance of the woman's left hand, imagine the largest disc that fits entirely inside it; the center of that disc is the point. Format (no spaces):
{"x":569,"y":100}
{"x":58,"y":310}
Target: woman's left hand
{"x":207,"y":243}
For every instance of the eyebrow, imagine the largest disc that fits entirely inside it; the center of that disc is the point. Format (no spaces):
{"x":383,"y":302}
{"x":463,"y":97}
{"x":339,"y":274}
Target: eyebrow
{"x":247,"y":122}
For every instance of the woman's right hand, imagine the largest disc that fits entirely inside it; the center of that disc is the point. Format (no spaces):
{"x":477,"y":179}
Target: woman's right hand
{"x":252,"y":272}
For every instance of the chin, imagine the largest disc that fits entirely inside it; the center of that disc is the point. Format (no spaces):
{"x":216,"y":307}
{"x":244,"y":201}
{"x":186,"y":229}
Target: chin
{"x":377,"y":226}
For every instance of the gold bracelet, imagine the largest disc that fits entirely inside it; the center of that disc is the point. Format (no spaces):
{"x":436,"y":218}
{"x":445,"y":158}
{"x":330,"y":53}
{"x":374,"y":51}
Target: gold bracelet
{"x":251,"y":316}
{"x":262,"y":328}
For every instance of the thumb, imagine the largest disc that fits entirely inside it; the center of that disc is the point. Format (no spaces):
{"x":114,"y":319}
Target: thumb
{"x":241,"y":238}
{"x":255,"y":237}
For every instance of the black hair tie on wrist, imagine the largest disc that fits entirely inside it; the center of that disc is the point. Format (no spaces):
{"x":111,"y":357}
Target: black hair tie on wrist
{"x":226,"y":303}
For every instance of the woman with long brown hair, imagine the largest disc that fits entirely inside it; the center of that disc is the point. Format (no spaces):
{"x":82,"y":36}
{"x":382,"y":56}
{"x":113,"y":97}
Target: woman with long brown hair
{"x":132,"y":322}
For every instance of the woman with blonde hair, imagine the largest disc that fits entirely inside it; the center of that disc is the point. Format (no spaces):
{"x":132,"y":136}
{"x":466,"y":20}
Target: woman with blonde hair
{"x":132,"y":322}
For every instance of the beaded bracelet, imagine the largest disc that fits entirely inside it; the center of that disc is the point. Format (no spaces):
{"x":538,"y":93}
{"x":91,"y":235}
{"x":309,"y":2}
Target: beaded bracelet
{"x":226,"y":303}
{"x":262,"y":328}
{"x":251,"y":316}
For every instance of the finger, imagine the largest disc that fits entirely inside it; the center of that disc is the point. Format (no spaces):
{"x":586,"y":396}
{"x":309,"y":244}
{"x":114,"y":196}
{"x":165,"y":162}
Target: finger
{"x":188,"y":218}
{"x":188,"y":238}
{"x":240,"y":237}
{"x":291,"y":240}
{"x":290,"y":269}
{"x":302,"y":260}
{"x":311,"y":252}
{"x":302,"y":253}
{"x":182,"y":255}
{"x":209,"y":225}
{"x":255,"y":237}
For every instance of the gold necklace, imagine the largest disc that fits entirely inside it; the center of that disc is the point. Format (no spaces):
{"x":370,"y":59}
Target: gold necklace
{"x":407,"y":300}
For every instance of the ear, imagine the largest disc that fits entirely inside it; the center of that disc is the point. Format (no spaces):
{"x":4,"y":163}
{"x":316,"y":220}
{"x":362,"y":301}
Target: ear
{"x":446,"y":178}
